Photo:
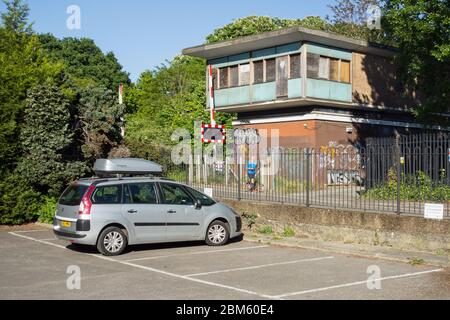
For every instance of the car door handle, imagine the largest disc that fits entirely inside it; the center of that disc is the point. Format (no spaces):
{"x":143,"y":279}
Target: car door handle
{"x":171,"y":211}
{"x":132,"y":211}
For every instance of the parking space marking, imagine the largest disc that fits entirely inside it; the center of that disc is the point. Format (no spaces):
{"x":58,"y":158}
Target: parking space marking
{"x":407,"y":275}
{"x":258,"y":267}
{"x":184,"y":277}
{"x":152,"y":269}
{"x":31,"y":231}
{"x":195,"y":253}
{"x":214,"y":284}
{"x":37,"y":240}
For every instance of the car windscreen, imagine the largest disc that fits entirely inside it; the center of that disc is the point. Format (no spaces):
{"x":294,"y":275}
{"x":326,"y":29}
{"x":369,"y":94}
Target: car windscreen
{"x":73,"y":195}
{"x":204,"y":199}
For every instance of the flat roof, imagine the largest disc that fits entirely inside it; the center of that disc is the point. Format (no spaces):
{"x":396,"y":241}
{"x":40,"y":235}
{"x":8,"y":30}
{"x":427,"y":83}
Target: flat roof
{"x":285,"y":36}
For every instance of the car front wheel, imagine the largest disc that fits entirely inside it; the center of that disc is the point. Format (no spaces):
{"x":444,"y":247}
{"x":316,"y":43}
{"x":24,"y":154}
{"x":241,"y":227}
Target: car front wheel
{"x":112,"y":242}
{"x":218,"y":234}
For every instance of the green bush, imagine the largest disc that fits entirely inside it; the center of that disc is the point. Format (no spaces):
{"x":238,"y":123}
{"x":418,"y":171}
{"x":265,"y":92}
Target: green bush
{"x":265,"y":230}
{"x":288,"y":232}
{"x":249,"y":219}
{"x":420,"y":187}
{"x":19,"y":203}
{"x":47,"y":210}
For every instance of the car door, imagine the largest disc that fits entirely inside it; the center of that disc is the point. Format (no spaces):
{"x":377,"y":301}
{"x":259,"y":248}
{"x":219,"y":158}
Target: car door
{"x":142,"y":208}
{"x":184,"y":220}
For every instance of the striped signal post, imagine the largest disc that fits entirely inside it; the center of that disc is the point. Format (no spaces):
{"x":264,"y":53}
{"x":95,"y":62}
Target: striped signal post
{"x":211,"y":96}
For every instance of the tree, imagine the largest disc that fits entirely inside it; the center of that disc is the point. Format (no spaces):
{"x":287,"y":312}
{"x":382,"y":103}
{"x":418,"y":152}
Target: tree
{"x":421,"y":31}
{"x":100,"y":119}
{"x":45,"y":138}
{"x":254,"y":25}
{"x":15,"y":19}
{"x":22,"y":65}
{"x":84,"y":63}
{"x":351,"y":11}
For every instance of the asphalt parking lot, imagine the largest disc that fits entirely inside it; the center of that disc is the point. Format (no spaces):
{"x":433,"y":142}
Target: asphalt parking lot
{"x":34,"y":265}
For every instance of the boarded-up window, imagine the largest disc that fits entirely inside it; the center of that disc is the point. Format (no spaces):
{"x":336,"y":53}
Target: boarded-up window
{"x":258,"y":71}
{"x":295,"y":66}
{"x":334,"y":69}
{"x":223,"y":78}
{"x":313,"y":65}
{"x":270,"y":70}
{"x":234,"y":76}
{"x":324,"y":68}
{"x":244,"y":74}
{"x":345,"y":71}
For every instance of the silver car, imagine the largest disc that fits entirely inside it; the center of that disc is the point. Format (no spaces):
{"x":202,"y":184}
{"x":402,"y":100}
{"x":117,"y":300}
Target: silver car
{"x":114,"y":213}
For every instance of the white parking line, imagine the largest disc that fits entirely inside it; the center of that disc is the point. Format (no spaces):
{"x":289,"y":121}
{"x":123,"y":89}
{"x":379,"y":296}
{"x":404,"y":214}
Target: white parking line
{"x":153,"y":269}
{"x":258,"y":267}
{"x":30,"y":231}
{"x":195,"y":253}
{"x":407,"y":275}
{"x":37,"y":240}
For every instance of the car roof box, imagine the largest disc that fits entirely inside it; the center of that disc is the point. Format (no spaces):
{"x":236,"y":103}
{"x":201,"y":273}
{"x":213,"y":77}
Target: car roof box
{"x":126,"y":167}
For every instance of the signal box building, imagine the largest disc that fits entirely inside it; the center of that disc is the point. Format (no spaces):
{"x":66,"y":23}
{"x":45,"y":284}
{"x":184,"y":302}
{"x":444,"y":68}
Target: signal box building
{"x":318,"y":89}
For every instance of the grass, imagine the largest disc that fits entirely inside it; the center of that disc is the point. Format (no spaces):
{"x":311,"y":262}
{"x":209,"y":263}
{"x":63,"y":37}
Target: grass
{"x":288,"y":232}
{"x":265,"y":230}
{"x":416,"y":261}
{"x":442,"y":252}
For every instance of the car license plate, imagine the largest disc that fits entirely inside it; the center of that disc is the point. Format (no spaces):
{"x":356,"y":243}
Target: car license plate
{"x":66,"y":224}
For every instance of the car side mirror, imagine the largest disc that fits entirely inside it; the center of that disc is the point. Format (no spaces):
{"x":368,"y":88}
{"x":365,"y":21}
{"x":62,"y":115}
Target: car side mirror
{"x":198,"y":205}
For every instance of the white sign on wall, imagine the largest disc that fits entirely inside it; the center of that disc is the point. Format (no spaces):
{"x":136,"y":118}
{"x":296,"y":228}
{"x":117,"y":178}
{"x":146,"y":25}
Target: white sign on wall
{"x":208,"y":192}
{"x":434,"y":211}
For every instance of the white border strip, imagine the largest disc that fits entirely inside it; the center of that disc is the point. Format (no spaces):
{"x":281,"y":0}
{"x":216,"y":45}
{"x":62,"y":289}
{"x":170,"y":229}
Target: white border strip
{"x":195,"y":253}
{"x":407,"y":275}
{"x":334,"y":117}
{"x":259,"y":267}
{"x":37,"y":240}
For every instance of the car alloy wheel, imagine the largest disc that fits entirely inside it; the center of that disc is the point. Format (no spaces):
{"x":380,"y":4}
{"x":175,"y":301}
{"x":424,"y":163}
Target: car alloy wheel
{"x":217,"y":234}
{"x":113,"y":242}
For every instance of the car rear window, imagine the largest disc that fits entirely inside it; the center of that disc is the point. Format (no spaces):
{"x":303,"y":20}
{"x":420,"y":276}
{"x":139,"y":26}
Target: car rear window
{"x":73,"y":195}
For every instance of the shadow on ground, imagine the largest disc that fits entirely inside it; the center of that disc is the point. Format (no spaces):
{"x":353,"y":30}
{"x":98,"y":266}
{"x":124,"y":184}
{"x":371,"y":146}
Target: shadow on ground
{"x":149,"y":247}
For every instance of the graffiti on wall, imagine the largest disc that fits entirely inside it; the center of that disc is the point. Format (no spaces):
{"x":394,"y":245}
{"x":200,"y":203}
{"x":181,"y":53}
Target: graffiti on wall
{"x":342,"y":163}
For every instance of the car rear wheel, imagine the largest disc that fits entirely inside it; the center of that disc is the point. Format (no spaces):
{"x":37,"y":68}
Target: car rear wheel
{"x":218,"y":234}
{"x":112,"y":242}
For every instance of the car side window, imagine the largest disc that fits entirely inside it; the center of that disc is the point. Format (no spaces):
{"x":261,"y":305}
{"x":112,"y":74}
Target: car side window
{"x":174,"y":194}
{"x":140,"y":193}
{"x":107,"y":195}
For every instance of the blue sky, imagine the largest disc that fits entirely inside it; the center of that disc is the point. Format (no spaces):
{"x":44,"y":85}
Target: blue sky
{"x":144,"y":33}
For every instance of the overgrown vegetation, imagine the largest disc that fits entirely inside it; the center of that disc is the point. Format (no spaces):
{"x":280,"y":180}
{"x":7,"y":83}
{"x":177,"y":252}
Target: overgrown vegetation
{"x":249,"y":219}
{"x":58,"y":113}
{"x":265,"y":230}
{"x":415,"y":188}
{"x":288,"y":232}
